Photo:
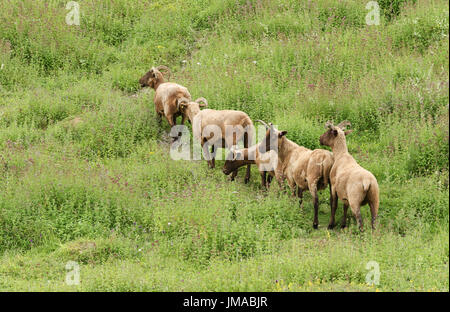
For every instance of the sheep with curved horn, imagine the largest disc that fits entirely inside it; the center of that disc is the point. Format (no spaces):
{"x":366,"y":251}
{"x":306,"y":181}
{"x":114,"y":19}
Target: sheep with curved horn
{"x":167,"y":94}
{"x":304,"y":169}
{"x":232,"y":126}
{"x":344,"y":124}
{"x":267,"y":163}
{"x":166,"y":69}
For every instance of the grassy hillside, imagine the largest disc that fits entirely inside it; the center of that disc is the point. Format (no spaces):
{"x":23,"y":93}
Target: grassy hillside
{"x":85,"y":173}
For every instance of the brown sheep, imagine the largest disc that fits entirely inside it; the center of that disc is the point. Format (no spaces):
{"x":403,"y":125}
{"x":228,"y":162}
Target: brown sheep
{"x":266,"y":163}
{"x":307,"y":169}
{"x":167,"y":94}
{"x":232,"y":126}
{"x":350,"y":182}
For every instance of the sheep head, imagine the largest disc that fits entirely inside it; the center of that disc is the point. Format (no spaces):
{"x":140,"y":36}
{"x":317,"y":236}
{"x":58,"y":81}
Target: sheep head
{"x":233,"y":161}
{"x":333,"y":132}
{"x":189,"y":108}
{"x":154,"y":77}
{"x":272,"y":139}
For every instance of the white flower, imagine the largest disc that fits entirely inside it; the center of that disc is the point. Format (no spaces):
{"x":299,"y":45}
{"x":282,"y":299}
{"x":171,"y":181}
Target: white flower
{"x":254,"y":62}
{"x":198,"y":63}
{"x":140,"y":249}
{"x":3,"y":65}
{"x":169,"y":223}
{"x":183,"y":61}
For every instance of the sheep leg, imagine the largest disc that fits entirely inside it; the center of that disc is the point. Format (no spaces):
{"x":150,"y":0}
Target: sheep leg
{"x":263,"y":179}
{"x":356,"y":207}
{"x":300,"y":197}
{"x":344,"y":218}
{"x":334,"y":204}
{"x":247,"y":175}
{"x":246,"y":145}
{"x":269,"y":180}
{"x":172,"y":122}
{"x":170,"y":119}
{"x":313,"y":191}
{"x":281,"y":184}
{"x":316,"y":212}
{"x":213,"y":160}
{"x":373,"y":211}
{"x":183,"y":119}
{"x":206,"y":152}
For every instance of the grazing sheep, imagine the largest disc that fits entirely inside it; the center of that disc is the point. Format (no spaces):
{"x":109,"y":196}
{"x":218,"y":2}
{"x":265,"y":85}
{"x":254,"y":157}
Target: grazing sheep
{"x":307,"y":169}
{"x":266,"y":162}
{"x":167,"y":94}
{"x":350,"y":182}
{"x":217,"y":128}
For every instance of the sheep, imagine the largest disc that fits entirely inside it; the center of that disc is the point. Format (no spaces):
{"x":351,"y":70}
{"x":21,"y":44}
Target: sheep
{"x":350,"y":182}
{"x":232,"y":126}
{"x":167,"y":94}
{"x":266,"y":162}
{"x":307,"y":169}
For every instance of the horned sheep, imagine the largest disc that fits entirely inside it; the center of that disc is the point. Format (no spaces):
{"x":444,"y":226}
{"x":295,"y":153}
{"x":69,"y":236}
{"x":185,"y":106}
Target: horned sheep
{"x":307,"y":169}
{"x":266,"y":163}
{"x":167,"y":94}
{"x":217,"y":128}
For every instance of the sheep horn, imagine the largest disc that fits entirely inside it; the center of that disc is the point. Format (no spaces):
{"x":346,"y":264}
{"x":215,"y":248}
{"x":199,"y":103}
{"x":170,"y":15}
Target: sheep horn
{"x":236,"y":154}
{"x":344,"y":124}
{"x":181,"y":100}
{"x":329,"y":125}
{"x":165,"y":68}
{"x":265,"y":125}
{"x":202,"y":99}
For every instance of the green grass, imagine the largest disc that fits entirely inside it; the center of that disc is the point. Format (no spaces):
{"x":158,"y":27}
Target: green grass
{"x":85,"y":174}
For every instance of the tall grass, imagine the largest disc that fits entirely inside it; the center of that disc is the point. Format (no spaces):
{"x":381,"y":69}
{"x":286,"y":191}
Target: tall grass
{"x":85,"y":173}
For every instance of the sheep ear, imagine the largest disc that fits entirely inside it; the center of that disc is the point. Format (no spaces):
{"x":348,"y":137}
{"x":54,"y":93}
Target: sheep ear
{"x":348,"y":132}
{"x":282,"y":134}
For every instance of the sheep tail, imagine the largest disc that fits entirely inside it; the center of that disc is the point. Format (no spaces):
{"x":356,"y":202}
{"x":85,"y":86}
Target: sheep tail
{"x":366,"y":185}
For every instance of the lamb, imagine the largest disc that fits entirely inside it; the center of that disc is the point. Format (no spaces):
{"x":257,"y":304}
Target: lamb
{"x":350,"y":182}
{"x":167,"y":94}
{"x":307,"y":169}
{"x":266,"y":162}
{"x":217,"y":128}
